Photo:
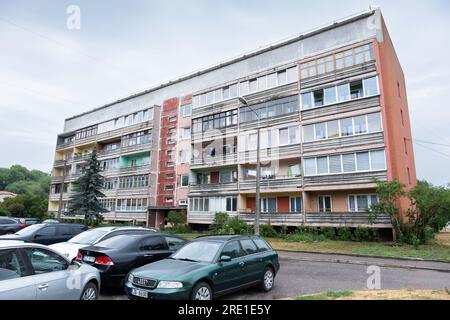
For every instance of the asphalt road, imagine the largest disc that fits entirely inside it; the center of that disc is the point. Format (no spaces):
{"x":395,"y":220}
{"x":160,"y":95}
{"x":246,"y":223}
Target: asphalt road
{"x":297,"y":277}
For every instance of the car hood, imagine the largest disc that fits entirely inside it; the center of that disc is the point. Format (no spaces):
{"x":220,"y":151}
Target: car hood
{"x":168,"y":269}
{"x":67,"y":249}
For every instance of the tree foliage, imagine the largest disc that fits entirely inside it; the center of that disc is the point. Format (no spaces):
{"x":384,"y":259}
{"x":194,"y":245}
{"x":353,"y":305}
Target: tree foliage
{"x":87,"y":191}
{"x":32,"y":187}
{"x":176,"y":218}
{"x":428,"y":212}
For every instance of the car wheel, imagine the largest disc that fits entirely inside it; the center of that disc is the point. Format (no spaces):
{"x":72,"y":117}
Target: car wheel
{"x":268,"y":280}
{"x":90,"y":292}
{"x":202,"y":291}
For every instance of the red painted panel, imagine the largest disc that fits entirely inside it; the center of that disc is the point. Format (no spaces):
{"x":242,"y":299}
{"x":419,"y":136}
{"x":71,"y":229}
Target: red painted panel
{"x":214,"y":177}
{"x":283,"y":204}
{"x":251,"y":204}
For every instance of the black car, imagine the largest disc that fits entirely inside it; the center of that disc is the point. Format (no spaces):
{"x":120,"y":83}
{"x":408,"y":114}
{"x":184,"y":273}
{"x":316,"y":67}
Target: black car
{"x":10,"y":225}
{"x":46,"y":233}
{"x":116,"y":256}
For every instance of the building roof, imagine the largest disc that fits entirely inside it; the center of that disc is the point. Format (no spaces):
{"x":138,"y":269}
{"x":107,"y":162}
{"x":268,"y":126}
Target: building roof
{"x":7,"y":193}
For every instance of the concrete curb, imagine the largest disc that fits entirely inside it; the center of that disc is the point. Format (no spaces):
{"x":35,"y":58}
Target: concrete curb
{"x":360,"y":255}
{"x":367,"y":263}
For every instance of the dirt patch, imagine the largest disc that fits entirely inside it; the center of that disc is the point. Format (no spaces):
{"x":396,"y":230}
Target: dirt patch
{"x":404,"y":294}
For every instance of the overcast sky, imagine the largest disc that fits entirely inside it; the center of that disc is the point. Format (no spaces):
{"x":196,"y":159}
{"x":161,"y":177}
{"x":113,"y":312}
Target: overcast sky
{"x":49,"y":73}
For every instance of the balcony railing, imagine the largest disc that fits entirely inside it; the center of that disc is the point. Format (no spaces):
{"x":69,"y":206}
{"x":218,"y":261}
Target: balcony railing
{"x":277,"y":182}
{"x":81,"y":157}
{"x":289,"y":151}
{"x":214,"y":161}
{"x":348,"y":178}
{"x":136,"y":147}
{"x":213,"y":187}
{"x":333,"y":219}
{"x":60,"y":163}
{"x":344,"y":142}
{"x":64,"y":145}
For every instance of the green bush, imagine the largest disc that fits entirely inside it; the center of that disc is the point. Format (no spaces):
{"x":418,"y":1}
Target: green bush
{"x":362,"y":234}
{"x":220,"y":221}
{"x":283,"y":231}
{"x":267,"y":231}
{"x":237,"y":226}
{"x":344,"y":234}
{"x":176,"y":217}
{"x":178,"y":229}
{"x":328,"y":232}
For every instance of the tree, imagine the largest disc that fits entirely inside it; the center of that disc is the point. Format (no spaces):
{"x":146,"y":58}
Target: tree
{"x":428,"y":213}
{"x":87,"y":191}
{"x":26,"y":206}
{"x":176,"y":218}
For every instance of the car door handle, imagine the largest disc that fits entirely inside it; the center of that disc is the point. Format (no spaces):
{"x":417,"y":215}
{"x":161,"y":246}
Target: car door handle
{"x":242,"y":263}
{"x":43,"y":286}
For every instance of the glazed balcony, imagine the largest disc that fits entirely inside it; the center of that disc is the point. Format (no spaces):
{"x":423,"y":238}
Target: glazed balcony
{"x":370,"y":139}
{"x":276,"y":182}
{"x":283,"y":152}
{"x":209,"y":161}
{"x":215,"y":188}
{"x":346,"y":178}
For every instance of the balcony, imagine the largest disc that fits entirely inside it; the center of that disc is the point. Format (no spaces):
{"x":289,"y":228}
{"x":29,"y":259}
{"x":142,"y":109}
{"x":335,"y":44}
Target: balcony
{"x":283,"y":152}
{"x":57,"y":179}
{"x":347,"y":178}
{"x":334,"y":219}
{"x":344,"y":142}
{"x":123,"y":131}
{"x":204,"y":217}
{"x":271,"y":121}
{"x":213,"y":188}
{"x":55,"y":196}
{"x":278,"y":182}
{"x":82,"y":157}
{"x":136,"y":170}
{"x":125,"y":216}
{"x":216,"y":161}
{"x":372,"y":103}
{"x":66,"y":145}
{"x":128,"y":149}
{"x":214,"y":134}
{"x":132,"y":191}
{"x":60,"y":163}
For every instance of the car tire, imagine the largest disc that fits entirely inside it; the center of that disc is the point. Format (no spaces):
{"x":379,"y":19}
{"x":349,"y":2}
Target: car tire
{"x":202,"y":291}
{"x":90,"y":292}
{"x":268,"y":279}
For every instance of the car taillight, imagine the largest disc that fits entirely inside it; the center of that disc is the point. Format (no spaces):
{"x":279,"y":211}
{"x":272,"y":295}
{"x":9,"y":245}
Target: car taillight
{"x":104,"y":260}
{"x":79,"y":256}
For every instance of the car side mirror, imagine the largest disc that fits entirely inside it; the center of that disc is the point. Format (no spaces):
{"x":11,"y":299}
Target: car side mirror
{"x":225,"y":259}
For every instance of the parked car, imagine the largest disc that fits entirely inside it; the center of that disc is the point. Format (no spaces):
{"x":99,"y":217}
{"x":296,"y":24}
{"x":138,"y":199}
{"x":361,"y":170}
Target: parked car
{"x":10,"y":225}
{"x":116,"y":256}
{"x":29,"y":221}
{"x":50,"y":221}
{"x":31,"y":271}
{"x":91,"y":237}
{"x":46,"y":233}
{"x":206,"y":268}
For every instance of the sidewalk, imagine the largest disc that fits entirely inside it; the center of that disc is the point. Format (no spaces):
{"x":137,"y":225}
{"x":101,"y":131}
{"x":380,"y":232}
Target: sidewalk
{"x":365,"y":260}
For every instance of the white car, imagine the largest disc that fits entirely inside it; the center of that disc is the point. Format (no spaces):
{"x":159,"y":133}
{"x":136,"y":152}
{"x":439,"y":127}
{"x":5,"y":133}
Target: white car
{"x":91,"y":237}
{"x":30,"y":271}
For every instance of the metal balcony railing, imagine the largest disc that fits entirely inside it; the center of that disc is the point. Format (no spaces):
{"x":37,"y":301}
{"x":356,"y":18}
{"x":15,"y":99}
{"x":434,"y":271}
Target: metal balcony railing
{"x":275,"y":182}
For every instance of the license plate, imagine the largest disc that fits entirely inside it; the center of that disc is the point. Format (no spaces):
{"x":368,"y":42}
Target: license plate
{"x":139,"y":293}
{"x":88,"y":259}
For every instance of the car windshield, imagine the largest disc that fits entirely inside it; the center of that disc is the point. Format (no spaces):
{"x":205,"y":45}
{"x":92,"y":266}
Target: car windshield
{"x":199,"y":251}
{"x":29,"y":230}
{"x":88,"y":237}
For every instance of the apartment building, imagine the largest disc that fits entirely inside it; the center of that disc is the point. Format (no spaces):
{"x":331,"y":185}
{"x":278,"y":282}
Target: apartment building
{"x":332,"y":111}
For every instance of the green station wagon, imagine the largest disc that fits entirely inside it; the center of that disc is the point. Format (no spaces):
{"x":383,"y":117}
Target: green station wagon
{"x":206,"y":268}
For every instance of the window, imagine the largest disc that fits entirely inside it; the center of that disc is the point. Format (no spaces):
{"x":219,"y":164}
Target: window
{"x":231,"y":204}
{"x":325,"y":204}
{"x":288,"y":136}
{"x":409,"y":175}
{"x":232,"y":249}
{"x":169,"y":176}
{"x":292,"y":74}
{"x":405,"y":145}
{"x":271,"y":80}
{"x":343,"y":92}
{"x":296,"y":204}
{"x":322,"y":165}
{"x":269,"y":205}
{"x":308,"y":133}
{"x":370,"y":87}
{"x":168,"y":200}
{"x":273,"y":108}
{"x":136,"y":138}
{"x":110,"y":184}
{"x":378,"y":160}
{"x":253,"y":84}
{"x":185,"y":156}
{"x":168,"y":187}
{"x":262,"y":245}
{"x":335,"y":164}
{"x":262,"y":83}
{"x":108,"y":204}
{"x":310,"y":166}
{"x":132,"y":205}
{"x":346,"y":127}
{"x":306,"y":100}
{"x":174,"y":243}
{"x":152,"y":243}
{"x":318,"y":98}
{"x":360,"y":124}
{"x":281,"y":75}
{"x":360,"y":203}
{"x":348,"y":162}
{"x":333,"y":129}
{"x":321,"y":131}
{"x":45,"y":261}
{"x":248,"y":246}
{"x":244,"y":88}
{"x":170,"y":164}
{"x":356,"y":89}
{"x":374,"y":122}
{"x":11,"y":265}
{"x":173,"y":119}
{"x":185,"y":181}
{"x":294,"y":170}
{"x":362,"y":161}
{"x":330,"y":95}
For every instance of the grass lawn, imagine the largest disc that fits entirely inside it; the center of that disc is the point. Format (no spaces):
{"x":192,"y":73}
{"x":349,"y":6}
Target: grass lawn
{"x":439,"y":249}
{"x":404,"y":294}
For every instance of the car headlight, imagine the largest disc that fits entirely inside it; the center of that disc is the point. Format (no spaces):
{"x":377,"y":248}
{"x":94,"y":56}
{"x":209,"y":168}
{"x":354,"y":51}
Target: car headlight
{"x":170,"y":285}
{"x":130,"y":277}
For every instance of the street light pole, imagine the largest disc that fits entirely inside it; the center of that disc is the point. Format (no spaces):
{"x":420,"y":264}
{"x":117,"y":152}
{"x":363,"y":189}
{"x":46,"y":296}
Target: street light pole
{"x":258,"y":168}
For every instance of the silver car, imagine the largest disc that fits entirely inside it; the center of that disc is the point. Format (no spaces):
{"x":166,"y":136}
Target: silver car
{"x":31,"y":271}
